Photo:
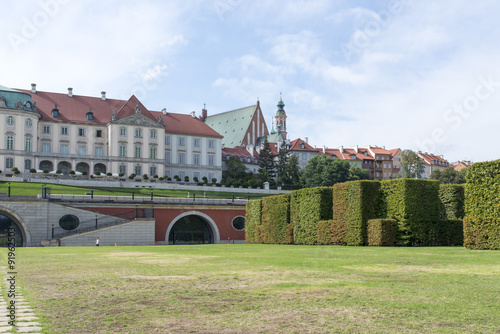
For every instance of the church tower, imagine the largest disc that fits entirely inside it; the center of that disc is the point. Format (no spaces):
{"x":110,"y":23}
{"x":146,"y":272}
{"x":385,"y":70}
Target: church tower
{"x":280,"y":118}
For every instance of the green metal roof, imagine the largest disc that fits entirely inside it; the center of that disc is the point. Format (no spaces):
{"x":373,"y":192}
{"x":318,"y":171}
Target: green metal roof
{"x":11,"y":97}
{"x":232,"y":125}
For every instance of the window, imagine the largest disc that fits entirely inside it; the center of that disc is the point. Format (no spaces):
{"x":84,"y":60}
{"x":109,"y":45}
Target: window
{"x":123,"y":132}
{"x":167,"y":157}
{"x":152,"y":134}
{"x":55,"y":113}
{"x":197,"y":175}
{"x":64,"y":130}
{"x":82,"y":149}
{"x":27,"y":164}
{"x":182,"y":175}
{"x":152,"y":171}
{"x":138,"y":133}
{"x":64,"y":149}
{"x":123,"y":151}
{"x":137,"y":152}
{"x":385,"y":174}
{"x":167,"y":140}
{"x":69,"y":222}
{"x":46,"y":147}
{"x":90,"y":116}
{"x":9,"y":163}
{"x":302,"y":146}
{"x":10,"y":142}
{"x":27,"y":143}
{"x":238,"y":223}
{"x":182,"y":158}
{"x":211,"y":143}
{"x":385,"y":166}
{"x":211,"y":160}
{"x":152,"y":153}
{"x":98,"y":133}
{"x":196,"y":159}
{"x":137,"y":170}
{"x":122,"y":169}
{"x":210,"y":176}
{"x":196,"y":142}
{"x":10,"y":120}
{"x":46,"y":129}
{"x":98,"y":151}
{"x":29,"y":122}
{"x":181,"y":141}
{"x":81,"y":132}
{"x":304,"y":156}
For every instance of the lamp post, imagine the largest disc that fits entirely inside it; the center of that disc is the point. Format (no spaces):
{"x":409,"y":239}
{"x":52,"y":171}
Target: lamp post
{"x":8,"y":193}
{"x":96,"y":222}
{"x":52,"y":231}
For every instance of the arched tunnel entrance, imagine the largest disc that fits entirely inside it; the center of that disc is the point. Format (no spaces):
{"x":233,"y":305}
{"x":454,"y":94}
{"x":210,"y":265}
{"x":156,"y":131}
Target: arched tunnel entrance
{"x":9,"y":229}
{"x":191,"y":230}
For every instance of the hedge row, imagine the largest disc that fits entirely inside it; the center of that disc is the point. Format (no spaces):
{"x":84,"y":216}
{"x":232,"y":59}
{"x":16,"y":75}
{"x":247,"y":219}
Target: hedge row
{"x":482,"y":206}
{"x":275,"y":219}
{"x":382,"y":232}
{"x":354,"y":203}
{"x":452,"y":199}
{"x":308,"y":207}
{"x":415,"y":205}
{"x":253,"y":220}
{"x":324,"y":232}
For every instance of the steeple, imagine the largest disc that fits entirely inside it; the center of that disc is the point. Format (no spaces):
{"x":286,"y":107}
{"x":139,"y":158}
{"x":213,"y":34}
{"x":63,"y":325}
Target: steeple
{"x":280,"y":118}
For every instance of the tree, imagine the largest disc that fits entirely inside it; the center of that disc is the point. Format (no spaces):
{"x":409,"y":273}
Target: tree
{"x":448,"y":175}
{"x":267,"y":165}
{"x":282,"y":166}
{"x":236,"y":170}
{"x":322,"y":170}
{"x":412,"y":166}
{"x":356,"y":173}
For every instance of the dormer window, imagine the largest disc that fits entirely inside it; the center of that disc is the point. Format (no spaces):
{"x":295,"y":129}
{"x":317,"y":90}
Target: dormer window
{"x":366,"y":154}
{"x":353,"y":156}
{"x":55,"y":112}
{"x":90,"y":116}
{"x":302,"y":145}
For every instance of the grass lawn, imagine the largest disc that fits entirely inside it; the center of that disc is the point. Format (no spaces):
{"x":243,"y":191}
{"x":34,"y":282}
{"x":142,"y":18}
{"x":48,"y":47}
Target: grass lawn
{"x":33,"y":189}
{"x":261,"y":289}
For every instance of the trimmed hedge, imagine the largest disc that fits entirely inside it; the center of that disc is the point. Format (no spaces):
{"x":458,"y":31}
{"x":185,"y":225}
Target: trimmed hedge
{"x":308,"y":207}
{"x":382,"y":232}
{"x":338,"y":228}
{"x":415,"y":205}
{"x":482,"y":206}
{"x":353,"y":204}
{"x":324,"y":232}
{"x":451,"y":232}
{"x":275,"y":219}
{"x":452,"y":199}
{"x":253,"y":220}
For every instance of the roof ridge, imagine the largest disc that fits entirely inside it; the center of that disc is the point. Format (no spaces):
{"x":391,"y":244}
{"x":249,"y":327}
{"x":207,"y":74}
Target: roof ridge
{"x":225,"y":112}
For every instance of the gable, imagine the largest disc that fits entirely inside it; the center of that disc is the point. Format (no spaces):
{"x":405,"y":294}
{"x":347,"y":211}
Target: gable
{"x":137,"y":119}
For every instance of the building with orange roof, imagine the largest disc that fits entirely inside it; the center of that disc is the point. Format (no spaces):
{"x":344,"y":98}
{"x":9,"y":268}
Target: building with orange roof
{"x":69,"y":132}
{"x":432,"y":162}
{"x":250,"y":161}
{"x":396,"y":162}
{"x":459,"y":165}
{"x":303,"y":151}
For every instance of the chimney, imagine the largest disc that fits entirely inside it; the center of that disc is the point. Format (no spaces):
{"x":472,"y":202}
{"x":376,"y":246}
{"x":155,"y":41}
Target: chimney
{"x":193,"y":114}
{"x":33,"y":88}
{"x":356,"y":149}
{"x":164,"y":111}
{"x":222,"y":146}
{"x":70,"y":92}
{"x":307,"y":140}
{"x":341,"y":149}
{"x":324,"y":149}
{"x":204,"y":113}
{"x":103,"y":95}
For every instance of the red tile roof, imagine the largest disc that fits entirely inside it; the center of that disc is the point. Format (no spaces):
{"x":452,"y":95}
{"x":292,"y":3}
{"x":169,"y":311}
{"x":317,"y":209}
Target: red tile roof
{"x":393,"y":152}
{"x":296,"y":146}
{"x":436,"y":160}
{"x":74,"y":109}
{"x":240,"y":152}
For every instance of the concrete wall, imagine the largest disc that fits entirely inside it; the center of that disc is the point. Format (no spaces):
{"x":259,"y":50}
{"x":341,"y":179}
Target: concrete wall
{"x":137,"y":232}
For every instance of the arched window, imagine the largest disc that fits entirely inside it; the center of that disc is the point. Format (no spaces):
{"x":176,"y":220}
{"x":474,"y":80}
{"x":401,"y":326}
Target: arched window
{"x":10,"y":120}
{"x":10,"y":142}
{"x":27,"y":143}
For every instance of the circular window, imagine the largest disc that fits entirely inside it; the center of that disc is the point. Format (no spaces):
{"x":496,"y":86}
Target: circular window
{"x":10,"y":120}
{"x":239,"y":223}
{"x":29,"y":122}
{"x":69,"y":222}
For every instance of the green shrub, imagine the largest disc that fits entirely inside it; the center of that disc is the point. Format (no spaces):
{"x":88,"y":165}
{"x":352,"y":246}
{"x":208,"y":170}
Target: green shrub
{"x":253,"y":220}
{"x":382,"y":232}
{"x":308,"y":207}
{"x":452,"y":199}
{"x":415,"y":205}
{"x":338,"y":230}
{"x":451,"y":232}
{"x":324,"y":232}
{"x":289,"y":234}
{"x":275,"y":218}
{"x":482,"y":206}
{"x":353,"y":204}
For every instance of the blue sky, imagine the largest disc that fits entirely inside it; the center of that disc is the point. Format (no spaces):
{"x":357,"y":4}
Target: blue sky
{"x":412,"y":74}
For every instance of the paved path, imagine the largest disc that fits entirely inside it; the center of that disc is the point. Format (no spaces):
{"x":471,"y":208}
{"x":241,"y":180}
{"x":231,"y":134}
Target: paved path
{"x":25,"y":319}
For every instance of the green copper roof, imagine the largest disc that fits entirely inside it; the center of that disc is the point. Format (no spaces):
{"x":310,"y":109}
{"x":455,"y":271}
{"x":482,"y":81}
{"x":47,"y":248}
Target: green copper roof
{"x":14,"y":99}
{"x":232,"y":125}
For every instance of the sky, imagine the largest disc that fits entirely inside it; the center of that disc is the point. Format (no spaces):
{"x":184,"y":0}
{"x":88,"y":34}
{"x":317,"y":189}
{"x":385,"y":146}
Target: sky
{"x":410,"y":74}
